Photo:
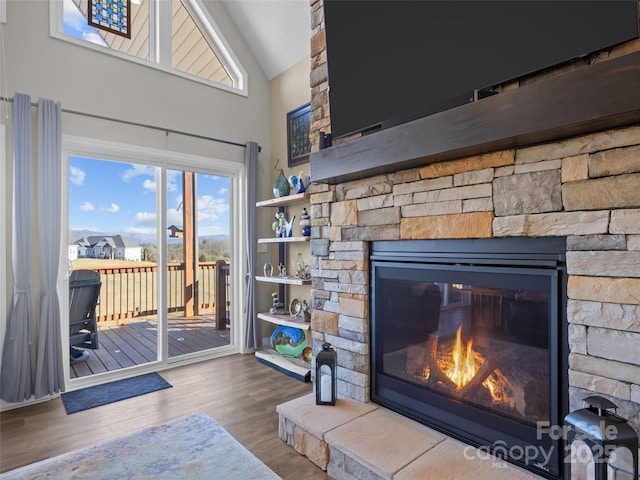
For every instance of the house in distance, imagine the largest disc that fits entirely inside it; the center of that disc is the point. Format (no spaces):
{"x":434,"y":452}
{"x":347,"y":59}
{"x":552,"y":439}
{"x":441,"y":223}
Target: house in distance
{"x":114,"y":247}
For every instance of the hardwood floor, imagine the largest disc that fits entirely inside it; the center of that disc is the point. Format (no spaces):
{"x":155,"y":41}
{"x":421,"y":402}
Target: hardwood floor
{"x":237,"y":391}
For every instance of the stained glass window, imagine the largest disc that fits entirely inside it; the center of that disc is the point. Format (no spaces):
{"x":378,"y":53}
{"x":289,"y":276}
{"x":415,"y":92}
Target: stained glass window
{"x":111,"y":15}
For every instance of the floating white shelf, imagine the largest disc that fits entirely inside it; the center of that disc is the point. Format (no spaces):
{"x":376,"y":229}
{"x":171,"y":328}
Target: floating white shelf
{"x":284,"y":239}
{"x":283,"y":201}
{"x":292,"y":366}
{"x":284,"y":280}
{"x":286,"y":320}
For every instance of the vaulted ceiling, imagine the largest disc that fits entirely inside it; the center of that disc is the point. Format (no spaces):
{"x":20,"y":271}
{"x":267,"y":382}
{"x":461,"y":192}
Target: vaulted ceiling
{"x":278,"y":32}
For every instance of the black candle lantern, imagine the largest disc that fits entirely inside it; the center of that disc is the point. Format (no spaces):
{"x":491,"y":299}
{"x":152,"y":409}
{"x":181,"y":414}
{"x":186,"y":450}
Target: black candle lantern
{"x":326,"y":387}
{"x":602,"y":432}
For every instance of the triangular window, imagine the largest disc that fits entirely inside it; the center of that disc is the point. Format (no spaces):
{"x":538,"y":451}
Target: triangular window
{"x":191,"y":51}
{"x":178,"y":36}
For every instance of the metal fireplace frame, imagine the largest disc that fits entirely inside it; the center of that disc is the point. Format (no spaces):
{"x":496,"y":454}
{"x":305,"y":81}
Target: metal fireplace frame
{"x":500,"y":435}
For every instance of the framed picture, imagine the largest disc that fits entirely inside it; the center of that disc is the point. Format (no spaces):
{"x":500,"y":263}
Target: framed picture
{"x":298,"y":141}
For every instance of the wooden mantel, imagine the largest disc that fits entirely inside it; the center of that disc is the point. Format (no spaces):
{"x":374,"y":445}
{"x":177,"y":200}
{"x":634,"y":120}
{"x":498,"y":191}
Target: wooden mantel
{"x":596,"y":97}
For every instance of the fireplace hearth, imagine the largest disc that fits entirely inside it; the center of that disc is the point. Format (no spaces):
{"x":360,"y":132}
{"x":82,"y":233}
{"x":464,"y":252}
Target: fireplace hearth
{"x":470,"y":337}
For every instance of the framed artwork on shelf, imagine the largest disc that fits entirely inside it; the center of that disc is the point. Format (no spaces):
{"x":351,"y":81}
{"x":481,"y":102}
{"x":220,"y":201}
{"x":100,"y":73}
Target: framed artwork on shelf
{"x":298,"y":141}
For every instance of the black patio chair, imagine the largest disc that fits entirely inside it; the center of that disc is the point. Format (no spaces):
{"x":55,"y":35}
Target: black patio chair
{"x":84,"y":290}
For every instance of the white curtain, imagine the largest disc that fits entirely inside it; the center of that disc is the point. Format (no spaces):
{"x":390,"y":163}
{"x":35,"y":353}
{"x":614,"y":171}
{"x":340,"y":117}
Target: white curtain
{"x":253,"y":336}
{"x":16,"y":374}
{"x":49,"y":368}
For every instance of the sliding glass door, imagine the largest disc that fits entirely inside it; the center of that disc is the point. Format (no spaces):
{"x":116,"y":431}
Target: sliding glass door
{"x":159,"y":240}
{"x":198,"y":256}
{"x":112,"y":232}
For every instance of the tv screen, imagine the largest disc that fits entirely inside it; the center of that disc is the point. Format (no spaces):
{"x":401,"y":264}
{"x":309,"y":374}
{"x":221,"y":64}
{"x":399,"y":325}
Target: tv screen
{"x":394,"y":61}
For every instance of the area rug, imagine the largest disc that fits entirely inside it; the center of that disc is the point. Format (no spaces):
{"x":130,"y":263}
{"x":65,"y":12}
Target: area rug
{"x":189,"y":448}
{"x":92,"y":397}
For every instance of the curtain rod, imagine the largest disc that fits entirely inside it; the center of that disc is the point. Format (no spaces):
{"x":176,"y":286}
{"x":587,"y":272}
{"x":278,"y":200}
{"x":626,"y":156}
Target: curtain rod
{"x":136,"y":124}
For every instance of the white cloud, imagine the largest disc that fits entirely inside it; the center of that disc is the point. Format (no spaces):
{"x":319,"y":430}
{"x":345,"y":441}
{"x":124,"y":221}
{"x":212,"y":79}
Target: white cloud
{"x":138,"y":170}
{"x":113,"y":208}
{"x":172,"y":180}
{"x":76,"y":175}
{"x":72,"y":16}
{"x":210,"y":207}
{"x":149,"y":185}
{"x":174,"y":217}
{"x":147,"y":219}
{"x":87,"y":207}
{"x":223,"y":191}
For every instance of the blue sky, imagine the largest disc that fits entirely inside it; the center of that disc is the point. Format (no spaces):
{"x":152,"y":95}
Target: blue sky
{"x":120,"y":198}
{"x":75,"y":24}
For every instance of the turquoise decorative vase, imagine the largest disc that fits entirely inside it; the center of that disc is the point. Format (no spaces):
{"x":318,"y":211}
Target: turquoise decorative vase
{"x":288,"y":341}
{"x":281,"y":187}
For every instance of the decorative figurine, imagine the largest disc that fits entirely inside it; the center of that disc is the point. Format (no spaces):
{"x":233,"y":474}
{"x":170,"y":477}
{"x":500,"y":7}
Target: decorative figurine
{"x":274,"y":303}
{"x":298,"y":183}
{"x":303,"y":268}
{"x":306,"y":315}
{"x":303,"y":182}
{"x":268,"y":269}
{"x":278,"y":224}
{"x":288,"y":227}
{"x":283,"y":270}
{"x":307,"y":352}
{"x":282,"y":226}
{"x":305,"y":223}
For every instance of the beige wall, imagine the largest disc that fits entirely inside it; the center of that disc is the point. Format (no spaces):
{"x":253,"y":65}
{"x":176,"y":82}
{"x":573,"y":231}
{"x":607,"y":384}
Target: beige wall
{"x":288,"y":91}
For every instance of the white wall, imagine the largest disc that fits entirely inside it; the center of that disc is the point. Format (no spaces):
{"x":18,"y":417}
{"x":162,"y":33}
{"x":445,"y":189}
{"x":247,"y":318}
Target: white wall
{"x":41,"y":66}
{"x":45,"y":67}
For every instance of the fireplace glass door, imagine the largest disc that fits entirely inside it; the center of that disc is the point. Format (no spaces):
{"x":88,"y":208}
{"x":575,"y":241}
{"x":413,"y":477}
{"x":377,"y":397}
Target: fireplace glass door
{"x":483,"y":342}
{"x":471,"y":343}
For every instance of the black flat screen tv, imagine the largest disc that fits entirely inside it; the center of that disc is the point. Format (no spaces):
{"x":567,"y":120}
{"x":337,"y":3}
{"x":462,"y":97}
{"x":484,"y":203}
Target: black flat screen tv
{"x":393,"y":61}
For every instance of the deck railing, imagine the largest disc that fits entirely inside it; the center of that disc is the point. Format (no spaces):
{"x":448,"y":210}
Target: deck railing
{"x":131,"y":291}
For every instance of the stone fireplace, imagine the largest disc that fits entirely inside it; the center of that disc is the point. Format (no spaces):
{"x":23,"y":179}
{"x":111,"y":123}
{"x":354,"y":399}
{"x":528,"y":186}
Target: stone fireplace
{"x":567,"y":169}
{"x":583,"y":189}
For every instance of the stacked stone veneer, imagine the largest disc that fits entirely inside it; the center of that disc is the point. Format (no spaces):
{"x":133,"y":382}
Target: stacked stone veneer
{"x":585,"y":188}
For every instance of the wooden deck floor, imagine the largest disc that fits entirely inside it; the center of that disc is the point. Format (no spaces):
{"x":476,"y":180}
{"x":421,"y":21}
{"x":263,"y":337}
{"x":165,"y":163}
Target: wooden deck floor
{"x":135,"y":343}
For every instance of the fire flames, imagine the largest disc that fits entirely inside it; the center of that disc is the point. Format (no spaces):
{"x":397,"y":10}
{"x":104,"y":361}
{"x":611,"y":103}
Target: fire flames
{"x":463,"y":363}
{"x":467,"y":368}
{"x":456,"y":365}
{"x":500,"y":388}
